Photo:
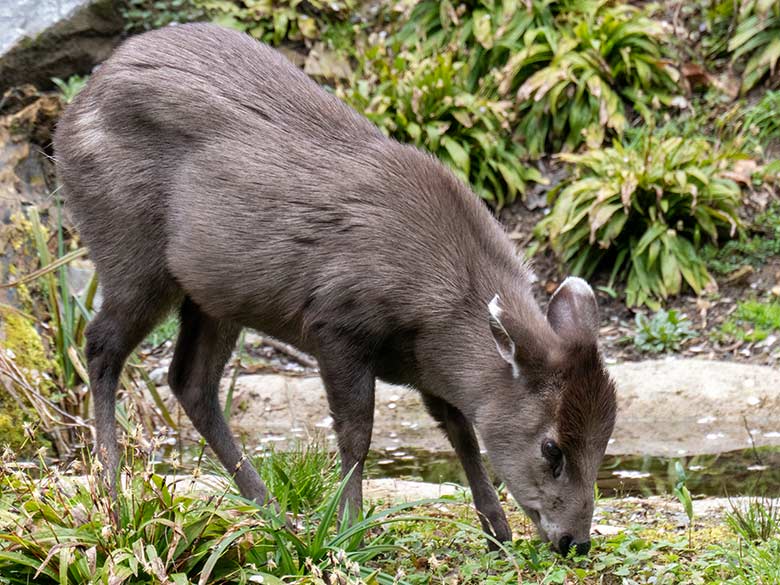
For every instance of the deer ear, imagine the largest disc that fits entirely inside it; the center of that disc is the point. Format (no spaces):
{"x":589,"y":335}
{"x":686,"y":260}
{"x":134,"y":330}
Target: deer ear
{"x":506,"y":346}
{"x":573,"y":311}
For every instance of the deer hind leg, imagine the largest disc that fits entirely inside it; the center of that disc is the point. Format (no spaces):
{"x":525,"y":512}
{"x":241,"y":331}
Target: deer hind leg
{"x":349,"y":383}
{"x":202,"y":350}
{"x":461,"y":434}
{"x":127,"y":316}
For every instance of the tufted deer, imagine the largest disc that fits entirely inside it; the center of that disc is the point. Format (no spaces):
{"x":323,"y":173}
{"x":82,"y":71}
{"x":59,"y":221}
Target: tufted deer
{"x":207,"y":173}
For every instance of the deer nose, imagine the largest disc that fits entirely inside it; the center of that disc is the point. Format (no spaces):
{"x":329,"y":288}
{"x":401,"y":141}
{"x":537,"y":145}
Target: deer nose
{"x":566,"y":542}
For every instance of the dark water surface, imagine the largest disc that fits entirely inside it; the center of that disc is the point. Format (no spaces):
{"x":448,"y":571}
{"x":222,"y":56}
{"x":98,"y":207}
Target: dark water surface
{"x":747,"y":472}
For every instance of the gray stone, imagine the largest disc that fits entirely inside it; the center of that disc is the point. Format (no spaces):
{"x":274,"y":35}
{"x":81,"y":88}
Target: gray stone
{"x":41,"y":39}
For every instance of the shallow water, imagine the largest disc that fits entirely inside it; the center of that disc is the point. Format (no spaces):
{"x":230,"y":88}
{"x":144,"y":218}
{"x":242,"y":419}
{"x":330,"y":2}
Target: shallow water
{"x":747,"y":472}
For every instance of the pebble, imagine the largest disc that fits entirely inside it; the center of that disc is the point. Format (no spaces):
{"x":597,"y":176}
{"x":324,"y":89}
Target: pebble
{"x":607,"y":530}
{"x":158,"y":375}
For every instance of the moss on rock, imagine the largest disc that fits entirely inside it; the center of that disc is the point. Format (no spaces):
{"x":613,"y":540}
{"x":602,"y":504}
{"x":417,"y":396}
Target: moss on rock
{"x":25,"y":347}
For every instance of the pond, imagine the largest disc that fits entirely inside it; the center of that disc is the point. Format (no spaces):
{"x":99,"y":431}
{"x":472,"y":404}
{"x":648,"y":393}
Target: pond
{"x":746,"y":472}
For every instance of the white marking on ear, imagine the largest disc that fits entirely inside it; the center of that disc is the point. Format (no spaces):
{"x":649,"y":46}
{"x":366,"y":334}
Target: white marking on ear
{"x":504,"y":342}
{"x":573,"y":309}
{"x":577,"y":285}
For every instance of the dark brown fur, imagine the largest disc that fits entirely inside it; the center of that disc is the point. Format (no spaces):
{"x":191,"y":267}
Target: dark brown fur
{"x":207,"y":173}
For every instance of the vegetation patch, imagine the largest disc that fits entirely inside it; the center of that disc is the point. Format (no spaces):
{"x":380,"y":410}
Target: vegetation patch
{"x":753,"y":321}
{"x":643,"y":208}
{"x":276,"y":21}
{"x":425,"y":102}
{"x":750,"y":31}
{"x":664,"y":331}
{"x":569,"y":68}
{"x":143,"y":15}
{"x":56,"y":529}
{"x":753,"y":249}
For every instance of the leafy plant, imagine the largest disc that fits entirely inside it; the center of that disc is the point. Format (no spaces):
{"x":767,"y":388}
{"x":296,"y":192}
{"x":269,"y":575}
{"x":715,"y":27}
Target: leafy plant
{"x":643,"y":208}
{"x":141,"y":15}
{"x":70,"y":87}
{"x":753,"y":321}
{"x":274,"y":21}
{"x":610,"y":59}
{"x":425,"y":102}
{"x":664,"y":331}
{"x":756,"y":38}
{"x":684,"y":497}
{"x":756,"y":521}
{"x":570,"y":68}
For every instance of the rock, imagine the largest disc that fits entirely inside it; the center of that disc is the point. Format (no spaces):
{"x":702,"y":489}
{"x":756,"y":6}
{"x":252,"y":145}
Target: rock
{"x":41,"y":39}
{"x":27,"y":120}
{"x":159,"y":375}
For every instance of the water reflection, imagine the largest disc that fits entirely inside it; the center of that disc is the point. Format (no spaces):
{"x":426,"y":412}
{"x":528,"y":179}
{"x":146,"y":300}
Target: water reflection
{"x":748,"y":472}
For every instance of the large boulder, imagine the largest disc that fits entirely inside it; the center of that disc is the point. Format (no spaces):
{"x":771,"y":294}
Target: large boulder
{"x":41,"y":39}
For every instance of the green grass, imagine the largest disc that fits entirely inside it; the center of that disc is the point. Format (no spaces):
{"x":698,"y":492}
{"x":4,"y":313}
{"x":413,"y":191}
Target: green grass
{"x":55,"y":530}
{"x":758,"y":520}
{"x":753,"y":321}
{"x":165,"y":331}
{"x":300,"y":479}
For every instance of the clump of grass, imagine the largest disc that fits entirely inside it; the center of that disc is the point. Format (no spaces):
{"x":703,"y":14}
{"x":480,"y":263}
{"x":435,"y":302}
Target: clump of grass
{"x":59,"y":529}
{"x":753,"y":321}
{"x":761,"y":120}
{"x":301,"y":478}
{"x":758,"y":520}
{"x":664,"y":331}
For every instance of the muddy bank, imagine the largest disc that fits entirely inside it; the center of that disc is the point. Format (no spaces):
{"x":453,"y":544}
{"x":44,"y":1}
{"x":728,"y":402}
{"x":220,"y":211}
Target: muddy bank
{"x":666,"y":408}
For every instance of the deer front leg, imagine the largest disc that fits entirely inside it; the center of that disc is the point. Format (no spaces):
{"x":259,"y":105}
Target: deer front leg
{"x":349,"y":383}
{"x":461,"y":434}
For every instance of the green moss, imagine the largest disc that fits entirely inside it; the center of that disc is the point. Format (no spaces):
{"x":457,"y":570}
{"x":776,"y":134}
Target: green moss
{"x":25,"y":347}
{"x":28,"y":349}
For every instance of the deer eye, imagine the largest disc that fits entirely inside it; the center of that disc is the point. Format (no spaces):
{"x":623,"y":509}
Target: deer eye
{"x":554,"y":456}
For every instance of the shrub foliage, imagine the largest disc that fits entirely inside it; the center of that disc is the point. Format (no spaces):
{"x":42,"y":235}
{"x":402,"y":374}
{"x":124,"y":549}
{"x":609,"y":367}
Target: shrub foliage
{"x":645,"y":207}
{"x":425,"y":102}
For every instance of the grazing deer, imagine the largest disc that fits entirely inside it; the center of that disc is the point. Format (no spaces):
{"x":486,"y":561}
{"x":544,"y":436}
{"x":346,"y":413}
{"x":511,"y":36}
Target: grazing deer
{"x":206,"y":173}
